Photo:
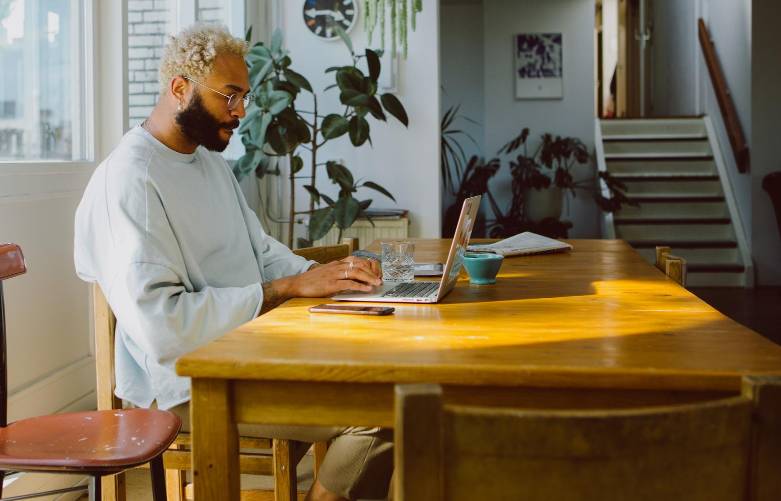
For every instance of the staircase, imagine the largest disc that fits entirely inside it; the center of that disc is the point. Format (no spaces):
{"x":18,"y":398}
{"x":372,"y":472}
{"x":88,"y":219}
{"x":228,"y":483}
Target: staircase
{"x":670,"y":170}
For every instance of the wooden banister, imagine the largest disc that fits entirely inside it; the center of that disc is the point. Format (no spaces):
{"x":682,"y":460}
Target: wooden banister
{"x":729,"y":114}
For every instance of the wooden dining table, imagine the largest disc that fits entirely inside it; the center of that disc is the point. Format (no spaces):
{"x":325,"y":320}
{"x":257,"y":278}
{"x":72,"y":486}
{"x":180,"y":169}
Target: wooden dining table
{"x":596,"y":327}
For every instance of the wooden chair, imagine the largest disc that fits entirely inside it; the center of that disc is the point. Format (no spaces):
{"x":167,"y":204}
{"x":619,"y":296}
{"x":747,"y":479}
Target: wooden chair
{"x":328,"y":253}
{"x":672,"y":266}
{"x":728,"y":449}
{"x":96,"y":443}
{"x":282,"y":461}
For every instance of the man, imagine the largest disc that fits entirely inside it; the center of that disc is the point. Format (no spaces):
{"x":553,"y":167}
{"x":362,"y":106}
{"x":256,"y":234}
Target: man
{"x":165,"y":231}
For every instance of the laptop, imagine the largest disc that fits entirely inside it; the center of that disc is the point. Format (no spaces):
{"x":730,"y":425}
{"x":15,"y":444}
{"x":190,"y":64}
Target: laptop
{"x":427,"y":291}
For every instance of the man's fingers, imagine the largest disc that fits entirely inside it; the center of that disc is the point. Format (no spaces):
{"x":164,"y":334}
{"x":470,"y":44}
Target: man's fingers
{"x":361,"y":274}
{"x":352,"y":285}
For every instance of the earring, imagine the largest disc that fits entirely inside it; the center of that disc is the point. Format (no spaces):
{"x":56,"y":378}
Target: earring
{"x":179,"y":106}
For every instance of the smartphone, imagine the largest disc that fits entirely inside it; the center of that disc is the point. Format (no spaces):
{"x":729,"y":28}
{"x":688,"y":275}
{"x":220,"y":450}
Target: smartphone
{"x":354,"y":309}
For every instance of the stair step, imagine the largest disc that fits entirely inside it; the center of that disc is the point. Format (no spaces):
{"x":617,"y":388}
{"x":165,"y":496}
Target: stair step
{"x":653,"y":199}
{"x":655,"y":137}
{"x":685,"y":244}
{"x":674,"y":209}
{"x":680,"y":125}
{"x":683,"y":147}
{"x":664,"y":220}
{"x":715,"y":268}
{"x":688,"y":232}
{"x":651,"y":157}
{"x":646,"y":176}
{"x":728,"y":256}
{"x":664,"y":167}
{"x":707,"y":279}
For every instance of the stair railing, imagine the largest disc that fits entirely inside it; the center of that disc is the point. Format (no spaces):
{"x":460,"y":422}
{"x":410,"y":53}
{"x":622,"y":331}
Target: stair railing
{"x":726,"y":105}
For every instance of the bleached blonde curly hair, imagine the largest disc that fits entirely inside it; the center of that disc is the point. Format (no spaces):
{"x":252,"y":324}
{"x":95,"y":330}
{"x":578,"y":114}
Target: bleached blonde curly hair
{"x":193,"y":50}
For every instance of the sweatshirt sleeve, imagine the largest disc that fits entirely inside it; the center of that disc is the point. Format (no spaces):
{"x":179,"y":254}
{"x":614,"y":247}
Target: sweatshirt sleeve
{"x":146,"y":279}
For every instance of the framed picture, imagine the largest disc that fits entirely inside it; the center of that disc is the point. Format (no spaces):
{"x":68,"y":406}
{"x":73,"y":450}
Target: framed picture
{"x":538,"y":66}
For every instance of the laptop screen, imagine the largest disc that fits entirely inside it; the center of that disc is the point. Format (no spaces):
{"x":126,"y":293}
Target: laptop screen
{"x":455,"y":258}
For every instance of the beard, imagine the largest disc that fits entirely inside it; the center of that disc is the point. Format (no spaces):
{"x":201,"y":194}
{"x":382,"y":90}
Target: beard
{"x":202,"y":127}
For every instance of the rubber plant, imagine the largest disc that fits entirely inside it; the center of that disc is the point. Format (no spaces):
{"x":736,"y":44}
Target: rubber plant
{"x":276,"y":127}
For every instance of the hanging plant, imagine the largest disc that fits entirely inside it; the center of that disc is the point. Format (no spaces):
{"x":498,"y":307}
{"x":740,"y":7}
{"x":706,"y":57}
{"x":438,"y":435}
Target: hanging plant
{"x":402,"y":12}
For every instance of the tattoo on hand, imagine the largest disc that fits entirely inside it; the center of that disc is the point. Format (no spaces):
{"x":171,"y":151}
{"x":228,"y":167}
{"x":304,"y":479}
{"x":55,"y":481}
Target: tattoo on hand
{"x":271,"y":298}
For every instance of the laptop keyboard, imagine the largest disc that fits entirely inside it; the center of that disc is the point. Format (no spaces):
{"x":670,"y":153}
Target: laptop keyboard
{"x":413,"y":289}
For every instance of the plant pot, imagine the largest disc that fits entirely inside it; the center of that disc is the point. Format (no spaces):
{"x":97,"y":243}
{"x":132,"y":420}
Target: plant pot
{"x":543,"y":204}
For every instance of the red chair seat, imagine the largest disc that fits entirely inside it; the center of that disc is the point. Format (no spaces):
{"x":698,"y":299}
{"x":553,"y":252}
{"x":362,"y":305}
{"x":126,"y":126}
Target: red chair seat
{"x":97,"y":441}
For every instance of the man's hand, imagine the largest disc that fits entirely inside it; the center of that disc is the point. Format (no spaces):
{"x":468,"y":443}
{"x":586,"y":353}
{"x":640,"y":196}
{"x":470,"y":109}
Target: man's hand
{"x":350,"y":273}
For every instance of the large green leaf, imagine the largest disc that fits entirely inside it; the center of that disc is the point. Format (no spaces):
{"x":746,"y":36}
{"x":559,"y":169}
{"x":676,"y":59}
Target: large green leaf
{"x":276,"y":40}
{"x":394,"y":107}
{"x":296,"y":164}
{"x":346,"y":211}
{"x":350,"y":97}
{"x":248,"y":35}
{"x":345,"y":37}
{"x":313,"y":192}
{"x":334,"y":126}
{"x":259,"y":71}
{"x":349,"y":77}
{"x":359,"y":130}
{"x":373,"y":60}
{"x":376,"y":109}
{"x":320,"y":222}
{"x":278,"y":100}
{"x":249,"y":119}
{"x":297,"y":79}
{"x":259,"y":128}
{"x":376,"y":187}
{"x":340,"y":175}
{"x":246,"y":163}
{"x":302,"y":131}
{"x":277,"y":139}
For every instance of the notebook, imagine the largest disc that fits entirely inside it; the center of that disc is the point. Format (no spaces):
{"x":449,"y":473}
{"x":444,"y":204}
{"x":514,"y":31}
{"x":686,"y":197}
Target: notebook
{"x":522,"y":244}
{"x":422,"y":291}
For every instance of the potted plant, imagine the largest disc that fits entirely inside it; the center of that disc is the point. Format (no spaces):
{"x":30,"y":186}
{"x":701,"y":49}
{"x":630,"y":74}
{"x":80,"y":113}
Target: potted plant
{"x":276,"y":127}
{"x":539,"y":181}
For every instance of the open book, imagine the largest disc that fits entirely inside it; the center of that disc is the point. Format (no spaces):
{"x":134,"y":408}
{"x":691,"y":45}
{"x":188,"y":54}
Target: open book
{"x":522,"y":244}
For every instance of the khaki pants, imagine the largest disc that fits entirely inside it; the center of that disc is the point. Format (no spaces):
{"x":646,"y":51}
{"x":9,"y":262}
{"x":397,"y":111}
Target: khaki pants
{"x":359,"y":462}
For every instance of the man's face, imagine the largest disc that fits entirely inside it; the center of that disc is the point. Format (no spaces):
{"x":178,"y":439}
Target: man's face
{"x":206,"y":119}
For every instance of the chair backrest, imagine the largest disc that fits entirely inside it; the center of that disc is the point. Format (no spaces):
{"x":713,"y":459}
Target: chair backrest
{"x":11,"y":264}
{"x":327,"y":253}
{"x":105,"y":323}
{"x":707,"y":450}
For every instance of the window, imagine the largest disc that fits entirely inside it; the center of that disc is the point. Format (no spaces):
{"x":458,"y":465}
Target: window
{"x":42,"y":91}
{"x":149,"y":24}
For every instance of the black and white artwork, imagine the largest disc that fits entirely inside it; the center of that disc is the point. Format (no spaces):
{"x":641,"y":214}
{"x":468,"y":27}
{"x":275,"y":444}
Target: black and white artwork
{"x":538,"y":66}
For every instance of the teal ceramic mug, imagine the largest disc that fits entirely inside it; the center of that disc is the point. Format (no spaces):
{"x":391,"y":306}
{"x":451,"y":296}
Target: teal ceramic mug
{"x":482,"y":267}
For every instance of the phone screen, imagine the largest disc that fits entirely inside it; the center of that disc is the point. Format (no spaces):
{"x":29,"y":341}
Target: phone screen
{"x":352,"y":308}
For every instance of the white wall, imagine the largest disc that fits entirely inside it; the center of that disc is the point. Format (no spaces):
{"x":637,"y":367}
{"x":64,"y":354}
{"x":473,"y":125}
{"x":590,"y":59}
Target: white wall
{"x":573,"y":115}
{"x":461,"y":62}
{"x":609,"y":45}
{"x":765,"y":146}
{"x":405,"y":161}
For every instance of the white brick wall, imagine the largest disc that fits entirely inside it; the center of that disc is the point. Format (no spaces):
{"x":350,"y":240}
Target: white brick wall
{"x":149,"y":21}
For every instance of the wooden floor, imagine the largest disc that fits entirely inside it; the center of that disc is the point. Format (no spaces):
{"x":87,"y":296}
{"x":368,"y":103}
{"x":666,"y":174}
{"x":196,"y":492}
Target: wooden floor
{"x":758,"y":308}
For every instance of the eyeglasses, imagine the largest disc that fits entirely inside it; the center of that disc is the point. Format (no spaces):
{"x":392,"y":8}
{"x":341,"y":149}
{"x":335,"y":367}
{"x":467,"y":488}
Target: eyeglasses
{"x":233,"y":99}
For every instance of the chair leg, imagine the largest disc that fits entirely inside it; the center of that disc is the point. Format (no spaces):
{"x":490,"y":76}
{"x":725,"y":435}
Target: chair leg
{"x":113,"y":487}
{"x":95,"y":488}
{"x":320,"y":448}
{"x":158,"y":478}
{"x":284,"y":471}
{"x":175,"y":482}
{"x":2,"y":477}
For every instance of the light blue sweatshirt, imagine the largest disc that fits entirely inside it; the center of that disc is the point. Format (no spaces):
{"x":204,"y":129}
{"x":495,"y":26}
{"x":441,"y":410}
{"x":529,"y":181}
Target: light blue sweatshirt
{"x":179,"y":255}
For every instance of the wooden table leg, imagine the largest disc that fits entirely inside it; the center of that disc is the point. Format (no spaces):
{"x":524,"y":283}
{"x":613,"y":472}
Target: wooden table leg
{"x":215,"y":441}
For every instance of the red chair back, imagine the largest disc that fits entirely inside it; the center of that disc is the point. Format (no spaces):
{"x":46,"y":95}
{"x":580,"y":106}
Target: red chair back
{"x":11,"y":265}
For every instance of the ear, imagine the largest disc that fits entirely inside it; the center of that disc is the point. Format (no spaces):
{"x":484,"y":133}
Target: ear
{"x":179,"y":87}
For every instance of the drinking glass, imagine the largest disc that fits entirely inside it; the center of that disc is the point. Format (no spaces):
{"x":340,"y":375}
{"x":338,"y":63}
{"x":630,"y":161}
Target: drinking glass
{"x":398,"y":261}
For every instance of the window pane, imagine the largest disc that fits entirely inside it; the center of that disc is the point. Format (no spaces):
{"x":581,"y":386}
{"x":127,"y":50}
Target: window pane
{"x":148,"y":24}
{"x":41,"y":81}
